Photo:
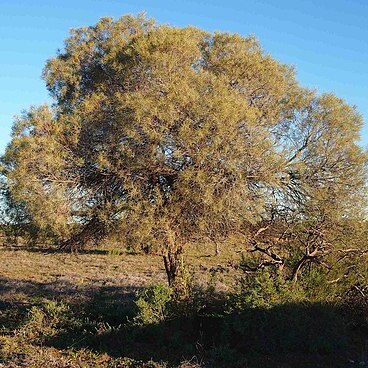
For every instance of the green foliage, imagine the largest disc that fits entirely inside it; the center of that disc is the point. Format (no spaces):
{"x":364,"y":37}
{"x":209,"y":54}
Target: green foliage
{"x":46,"y":321}
{"x":163,"y":137}
{"x":265,"y":289}
{"x":168,"y":136}
{"x":159,"y":303}
{"x":153,"y":305}
{"x":186,"y":298}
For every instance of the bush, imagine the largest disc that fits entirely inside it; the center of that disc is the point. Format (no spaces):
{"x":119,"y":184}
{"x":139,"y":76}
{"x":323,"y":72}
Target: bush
{"x":264,"y":289}
{"x":153,"y":305}
{"x":46,"y":321}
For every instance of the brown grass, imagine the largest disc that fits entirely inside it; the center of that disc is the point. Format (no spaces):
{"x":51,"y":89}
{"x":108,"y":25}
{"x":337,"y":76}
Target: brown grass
{"x":30,"y":277}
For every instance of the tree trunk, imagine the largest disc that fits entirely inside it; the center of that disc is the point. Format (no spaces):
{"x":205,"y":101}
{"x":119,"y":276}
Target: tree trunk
{"x":301,"y":263}
{"x":171,"y":262}
{"x":217,"y":249}
{"x":308,"y":257}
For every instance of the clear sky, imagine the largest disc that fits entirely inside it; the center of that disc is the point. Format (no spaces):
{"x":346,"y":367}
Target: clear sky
{"x":327,"y":40}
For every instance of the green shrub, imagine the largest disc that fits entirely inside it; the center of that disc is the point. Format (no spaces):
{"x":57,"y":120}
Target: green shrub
{"x":264,"y":289}
{"x":153,"y":305}
{"x":186,"y":295}
{"x":46,"y":321}
{"x":159,"y":303}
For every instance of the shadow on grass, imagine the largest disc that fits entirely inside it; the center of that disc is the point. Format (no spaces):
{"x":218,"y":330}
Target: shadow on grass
{"x":99,"y":319}
{"x":49,"y":249}
{"x":233,"y":340}
{"x":18,"y":297}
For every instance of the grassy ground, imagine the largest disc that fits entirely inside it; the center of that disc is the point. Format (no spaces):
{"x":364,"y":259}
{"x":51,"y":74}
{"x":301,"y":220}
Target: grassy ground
{"x":75,"y":310}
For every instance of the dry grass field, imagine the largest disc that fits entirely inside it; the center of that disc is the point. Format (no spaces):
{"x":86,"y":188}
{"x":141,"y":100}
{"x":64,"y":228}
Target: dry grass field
{"x":37,"y":284}
{"x":61,"y":310}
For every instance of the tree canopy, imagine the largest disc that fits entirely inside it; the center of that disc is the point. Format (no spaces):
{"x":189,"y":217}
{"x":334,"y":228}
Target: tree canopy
{"x":169,"y":136}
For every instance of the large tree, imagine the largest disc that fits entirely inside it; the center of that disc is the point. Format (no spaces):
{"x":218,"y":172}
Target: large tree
{"x":169,"y":136}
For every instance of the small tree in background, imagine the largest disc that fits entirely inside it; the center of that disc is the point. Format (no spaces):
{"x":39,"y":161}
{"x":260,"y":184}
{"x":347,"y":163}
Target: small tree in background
{"x":169,"y":136}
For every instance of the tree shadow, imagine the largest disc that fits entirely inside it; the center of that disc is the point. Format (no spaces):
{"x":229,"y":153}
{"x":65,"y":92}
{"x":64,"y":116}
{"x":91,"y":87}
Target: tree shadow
{"x":315,"y":332}
{"x":100,"y":319}
{"x":105,"y":302}
{"x":53,"y":249}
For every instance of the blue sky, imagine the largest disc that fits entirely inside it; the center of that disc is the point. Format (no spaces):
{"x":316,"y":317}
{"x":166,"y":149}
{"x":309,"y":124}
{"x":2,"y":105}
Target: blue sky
{"x":327,"y":40}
